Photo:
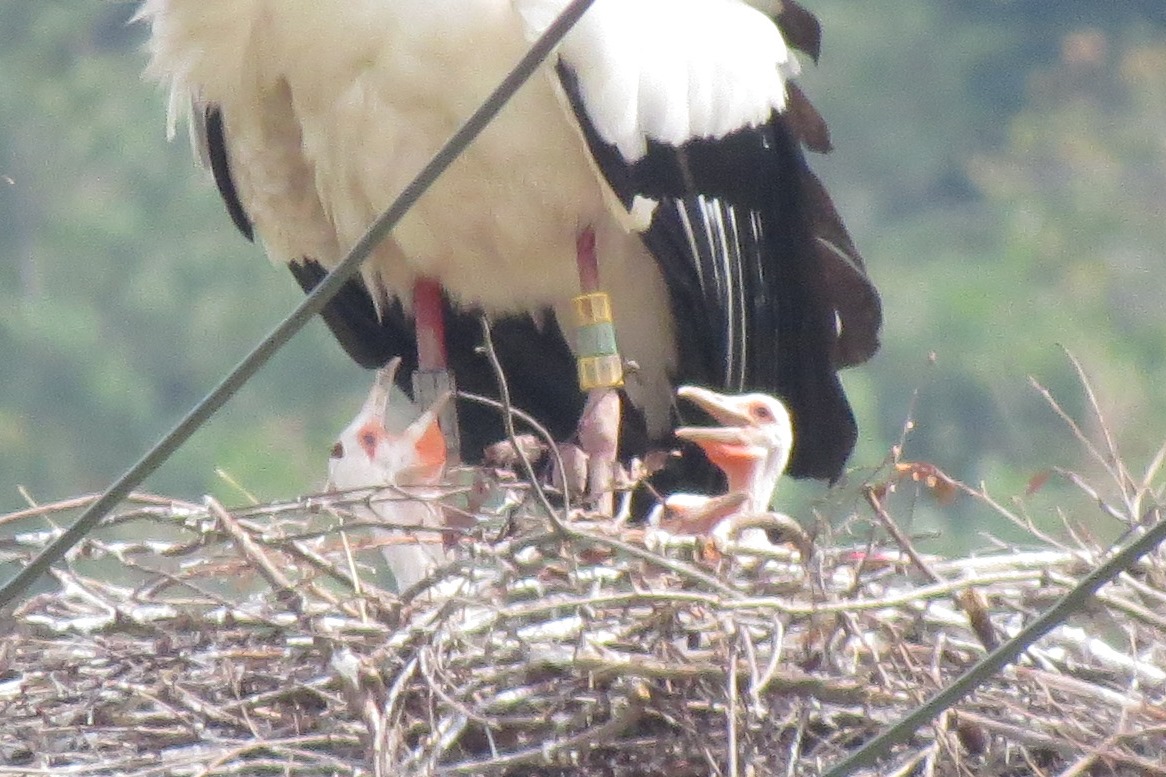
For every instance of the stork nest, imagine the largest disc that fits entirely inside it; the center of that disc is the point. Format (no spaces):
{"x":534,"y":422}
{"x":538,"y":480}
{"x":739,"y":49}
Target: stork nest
{"x":191,"y":639}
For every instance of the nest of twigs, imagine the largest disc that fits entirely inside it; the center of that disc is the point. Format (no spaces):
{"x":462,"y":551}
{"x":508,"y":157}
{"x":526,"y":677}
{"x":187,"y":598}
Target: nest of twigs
{"x":256,"y":641}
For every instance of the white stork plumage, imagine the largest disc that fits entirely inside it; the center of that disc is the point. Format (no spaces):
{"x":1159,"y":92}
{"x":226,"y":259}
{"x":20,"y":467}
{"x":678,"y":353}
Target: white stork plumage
{"x":669,"y":129}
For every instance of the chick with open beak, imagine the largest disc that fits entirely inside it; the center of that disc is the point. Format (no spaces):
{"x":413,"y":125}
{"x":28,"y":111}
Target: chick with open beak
{"x":369,"y":454}
{"x":751,"y":445}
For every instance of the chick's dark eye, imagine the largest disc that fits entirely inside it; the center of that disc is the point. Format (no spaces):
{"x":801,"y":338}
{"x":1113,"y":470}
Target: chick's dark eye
{"x":338,"y":451}
{"x":761,"y":413}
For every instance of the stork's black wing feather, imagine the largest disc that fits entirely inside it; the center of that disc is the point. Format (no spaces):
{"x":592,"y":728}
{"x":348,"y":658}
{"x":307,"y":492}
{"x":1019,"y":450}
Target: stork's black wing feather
{"x":748,"y":240}
{"x":216,"y":153}
{"x":370,"y":337}
{"x":800,"y":28}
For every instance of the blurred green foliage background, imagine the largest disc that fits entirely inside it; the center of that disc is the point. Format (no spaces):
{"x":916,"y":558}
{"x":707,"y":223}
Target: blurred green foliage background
{"x":1001,"y":164}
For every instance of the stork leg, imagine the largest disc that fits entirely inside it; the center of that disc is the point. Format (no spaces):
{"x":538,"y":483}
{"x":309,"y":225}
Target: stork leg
{"x":600,"y":374}
{"x":600,"y":370}
{"x":599,"y":437}
{"x":433,"y":377}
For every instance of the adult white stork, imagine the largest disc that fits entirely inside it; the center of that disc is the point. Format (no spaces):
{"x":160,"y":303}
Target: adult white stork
{"x":668,"y":131}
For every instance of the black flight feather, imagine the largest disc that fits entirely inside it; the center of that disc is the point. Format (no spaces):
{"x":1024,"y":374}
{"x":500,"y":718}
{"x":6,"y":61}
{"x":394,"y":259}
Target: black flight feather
{"x":756,"y":295}
{"x":216,"y":151}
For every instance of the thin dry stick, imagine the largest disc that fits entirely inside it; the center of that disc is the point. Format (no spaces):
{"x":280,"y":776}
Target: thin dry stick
{"x":284,"y":590}
{"x":532,"y":422}
{"x":1153,"y":468}
{"x":1116,"y":465}
{"x":1074,"y":600}
{"x":731,"y":710}
{"x":74,"y":503}
{"x":656,"y":559}
{"x":1091,"y":492}
{"x":901,"y":539}
{"x":512,"y":435}
{"x":633,"y":709}
{"x":968,"y":601}
{"x":1024,"y":523}
{"x":1082,"y":438}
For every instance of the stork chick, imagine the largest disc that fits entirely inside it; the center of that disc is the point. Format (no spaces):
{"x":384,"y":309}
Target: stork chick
{"x":370,"y":455}
{"x":751,"y":446}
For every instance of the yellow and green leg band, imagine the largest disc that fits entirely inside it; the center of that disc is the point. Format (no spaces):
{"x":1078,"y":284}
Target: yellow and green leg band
{"x":600,"y":365}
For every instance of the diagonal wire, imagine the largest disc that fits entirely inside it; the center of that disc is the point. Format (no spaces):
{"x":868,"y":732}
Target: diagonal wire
{"x":868,"y":755}
{"x":311,"y":305}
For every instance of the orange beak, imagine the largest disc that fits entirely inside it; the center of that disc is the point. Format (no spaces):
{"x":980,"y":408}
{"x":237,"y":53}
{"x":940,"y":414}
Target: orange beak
{"x":427,"y":439}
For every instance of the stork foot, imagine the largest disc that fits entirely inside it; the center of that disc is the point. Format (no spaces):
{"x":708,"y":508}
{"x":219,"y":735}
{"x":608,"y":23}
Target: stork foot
{"x":599,"y":439}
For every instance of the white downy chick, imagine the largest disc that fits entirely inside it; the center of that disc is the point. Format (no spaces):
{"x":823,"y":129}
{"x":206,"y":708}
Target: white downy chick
{"x":370,"y":455}
{"x":751,"y":445}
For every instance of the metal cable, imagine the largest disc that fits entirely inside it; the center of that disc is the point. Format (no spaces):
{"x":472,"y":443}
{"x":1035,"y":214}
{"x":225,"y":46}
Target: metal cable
{"x":311,"y":305}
